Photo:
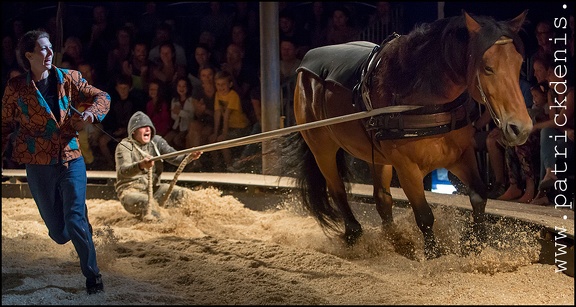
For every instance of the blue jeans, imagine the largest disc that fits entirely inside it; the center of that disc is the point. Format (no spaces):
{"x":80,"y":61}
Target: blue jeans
{"x":60,"y":194}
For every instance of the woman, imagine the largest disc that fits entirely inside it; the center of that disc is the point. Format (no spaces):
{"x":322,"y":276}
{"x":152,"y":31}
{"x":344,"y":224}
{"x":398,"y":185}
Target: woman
{"x":38,"y":112}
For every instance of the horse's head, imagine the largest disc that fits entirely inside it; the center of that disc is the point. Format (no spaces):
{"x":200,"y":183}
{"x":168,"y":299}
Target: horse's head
{"x":493,"y":74}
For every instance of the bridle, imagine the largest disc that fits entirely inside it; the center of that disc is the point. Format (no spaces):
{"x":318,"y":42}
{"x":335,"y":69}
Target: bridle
{"x":484,"y":98}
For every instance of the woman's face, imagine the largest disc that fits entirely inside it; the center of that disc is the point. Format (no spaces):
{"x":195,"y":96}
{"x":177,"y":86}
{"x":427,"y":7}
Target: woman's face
{"x":41,"y":59}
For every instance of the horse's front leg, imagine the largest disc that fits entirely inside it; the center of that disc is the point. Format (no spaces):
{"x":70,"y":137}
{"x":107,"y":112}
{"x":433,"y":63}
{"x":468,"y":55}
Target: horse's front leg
{"x":382,"y":178}
{"x":412,"y":182}
{"x":466,"y":169}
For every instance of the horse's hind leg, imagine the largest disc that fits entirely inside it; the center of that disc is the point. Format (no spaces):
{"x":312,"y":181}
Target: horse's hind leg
{"x":382,"y":177}
{"x":466,"y":170}
{"x":412,"y":182}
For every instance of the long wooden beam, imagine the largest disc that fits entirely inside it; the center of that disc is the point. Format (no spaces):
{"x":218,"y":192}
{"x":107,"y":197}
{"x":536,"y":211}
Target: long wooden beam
{"x":259,"y":137}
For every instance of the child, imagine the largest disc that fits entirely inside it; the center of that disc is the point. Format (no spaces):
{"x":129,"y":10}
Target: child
{"x":230,"y":121}
{"x":182,"y":112}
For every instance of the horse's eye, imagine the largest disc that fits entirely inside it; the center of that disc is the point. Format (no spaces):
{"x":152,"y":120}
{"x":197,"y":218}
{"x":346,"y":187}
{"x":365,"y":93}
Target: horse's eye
{"x":488,"y":70}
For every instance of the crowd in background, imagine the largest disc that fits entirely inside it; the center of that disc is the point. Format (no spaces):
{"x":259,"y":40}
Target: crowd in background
{"x":180,"y":72}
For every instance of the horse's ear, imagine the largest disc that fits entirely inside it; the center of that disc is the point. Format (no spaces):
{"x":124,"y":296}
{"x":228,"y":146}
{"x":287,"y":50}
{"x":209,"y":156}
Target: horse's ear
{"x":516,"y":23}
{"x":471,"y":24}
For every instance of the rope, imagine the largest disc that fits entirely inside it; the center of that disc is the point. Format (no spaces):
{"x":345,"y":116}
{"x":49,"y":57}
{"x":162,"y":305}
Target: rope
{"x":173,"y":182}
{"x":152,"y":204}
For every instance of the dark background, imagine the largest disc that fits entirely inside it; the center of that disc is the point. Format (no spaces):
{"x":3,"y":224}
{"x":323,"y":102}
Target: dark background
{"x":188,"y":14}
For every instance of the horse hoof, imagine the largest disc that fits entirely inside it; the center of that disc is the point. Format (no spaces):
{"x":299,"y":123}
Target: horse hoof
{"x":351,"y":237}
{"x":432,"y":253}
{"x":431,"y":250}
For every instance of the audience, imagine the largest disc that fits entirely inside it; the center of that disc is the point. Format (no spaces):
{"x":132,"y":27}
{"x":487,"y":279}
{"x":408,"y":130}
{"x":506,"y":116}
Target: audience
{"x":106,"y":50}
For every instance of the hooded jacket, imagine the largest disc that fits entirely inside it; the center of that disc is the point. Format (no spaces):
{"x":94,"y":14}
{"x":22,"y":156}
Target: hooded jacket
{"x":129,"y":176}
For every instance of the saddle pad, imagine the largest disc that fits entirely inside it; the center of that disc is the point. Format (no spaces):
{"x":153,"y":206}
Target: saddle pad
{"x":340,"y":63}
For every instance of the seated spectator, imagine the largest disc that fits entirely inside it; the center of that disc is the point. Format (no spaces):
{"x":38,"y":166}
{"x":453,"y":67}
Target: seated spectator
{"x":73,"y":52}
{"x":137,"y":65}
{"x":158,"y":108}
{"x":522,"y":185}
{"x":202,"y":124}
{"x":290,"y":30}
{"x":167,"y":69}
{"x":164,"y":36}
{"x":181,"y":112}
{"x":556,"y":134}
{"x":122,"y":106}
{"x":251,"y":152}
{"x":202,"y":58}
{"x":132,"y":167}
{"x":341,"y":29}
{"x":244,"y":77}
{"x":230,"y":121}
{"x":120,"y":52}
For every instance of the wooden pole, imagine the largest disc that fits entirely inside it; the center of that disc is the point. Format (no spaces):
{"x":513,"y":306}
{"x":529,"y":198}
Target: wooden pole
{"x":259,"y":137}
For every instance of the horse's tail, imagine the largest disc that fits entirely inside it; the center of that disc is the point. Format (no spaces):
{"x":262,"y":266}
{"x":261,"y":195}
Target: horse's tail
{"x":300,"y":162}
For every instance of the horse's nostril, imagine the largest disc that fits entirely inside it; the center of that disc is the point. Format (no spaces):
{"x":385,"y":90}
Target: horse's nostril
{"x":515,"y":129}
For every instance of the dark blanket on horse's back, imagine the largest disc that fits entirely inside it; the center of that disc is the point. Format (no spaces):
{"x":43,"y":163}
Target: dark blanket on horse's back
{"x":340,"y":63}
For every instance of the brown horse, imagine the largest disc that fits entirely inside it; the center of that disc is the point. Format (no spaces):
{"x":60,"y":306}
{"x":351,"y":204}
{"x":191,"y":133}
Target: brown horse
{"x":447,"y":66}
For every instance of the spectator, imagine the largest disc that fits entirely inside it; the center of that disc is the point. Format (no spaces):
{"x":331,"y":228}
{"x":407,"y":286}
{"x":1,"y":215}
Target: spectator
{"x":164,"y":36}
{"x":158,"y":108}
{"x":544,"y":33}
{"x":244,"y":76}
{"x":486,"y":139}
{"x":138,"y":66}
{"x":166,"y":69}
{"x":290,"y":30}
{"x":218,"y":23}
{"x":122,"y":107}
{"x":557,"y":132}
{"x":251,"y":152}
{"x":181,"y":112}
{"x":342,"y":28}
{"x":73,"y":52}
{"x":202,"y":59}
{"x":132,"y":167}
{"x":88,"y":137}
{"x":524,"y":154}
{"x":202,"y":124}
{"x":148,"y":22}
{"x":100,"y":39}
{"x":316,"y":24}
{"x":288,"y":61}
{"x":384,"y":21}
{"x":250,"y":45}
{"x":230,"y":121}
{"x":120,"y":52}
{"x":248,"y":16}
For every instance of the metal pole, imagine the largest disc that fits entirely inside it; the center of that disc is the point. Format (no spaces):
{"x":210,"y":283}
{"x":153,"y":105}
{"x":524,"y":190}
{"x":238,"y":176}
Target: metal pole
{"x":255,"y":138}
{"x":270,"y":79}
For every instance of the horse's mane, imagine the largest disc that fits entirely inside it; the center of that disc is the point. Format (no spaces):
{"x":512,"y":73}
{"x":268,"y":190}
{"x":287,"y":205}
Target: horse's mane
{"x":418,"y":60}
